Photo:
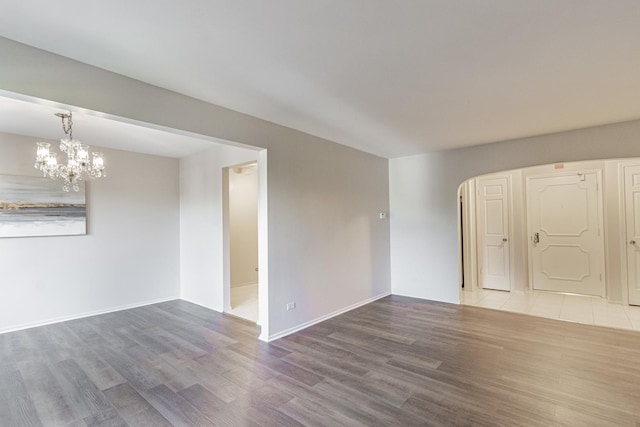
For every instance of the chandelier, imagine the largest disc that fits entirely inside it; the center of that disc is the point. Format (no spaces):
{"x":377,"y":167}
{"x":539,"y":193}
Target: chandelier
{"x":78,"y":163}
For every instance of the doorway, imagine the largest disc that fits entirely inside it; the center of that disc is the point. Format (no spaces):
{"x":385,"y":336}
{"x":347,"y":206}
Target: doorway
{"x":598,"y":201}
{"x":540,"y":228}
{"x":566,"y":230}
{"x":242,"y":236}
{"x":490,"y":215}
{"x":493,"y":224}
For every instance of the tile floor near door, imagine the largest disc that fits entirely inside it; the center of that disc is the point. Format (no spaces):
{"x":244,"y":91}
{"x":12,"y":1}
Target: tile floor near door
{"x":244,"y":302}
{"x":573,"y":308}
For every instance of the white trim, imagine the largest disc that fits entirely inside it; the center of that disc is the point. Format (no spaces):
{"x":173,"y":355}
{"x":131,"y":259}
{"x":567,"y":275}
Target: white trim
{"x":622,"y":217}
{"x":622,"y":232}
{"x":226,"y":242}
{"x":472,"y":235}
{"x":512,"y":246}
{"x":87,"y":314}
{"x":216,"y":309}
{"x":461,"y":232}
{"x":326,"y":317}
{"x":602,"y":213}
{"x":263,"y":247}
{"x":467,"y":239}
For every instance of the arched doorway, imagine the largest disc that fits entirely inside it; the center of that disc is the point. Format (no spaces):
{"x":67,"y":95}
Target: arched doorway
{"x":553,"y":241}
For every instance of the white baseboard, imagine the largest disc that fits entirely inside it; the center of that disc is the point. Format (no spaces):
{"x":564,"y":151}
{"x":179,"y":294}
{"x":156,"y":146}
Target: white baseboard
{"x":326,"y":317}
{"x":216,"y":309}
{"x":82,"y":315}
{"x":157,"y":301}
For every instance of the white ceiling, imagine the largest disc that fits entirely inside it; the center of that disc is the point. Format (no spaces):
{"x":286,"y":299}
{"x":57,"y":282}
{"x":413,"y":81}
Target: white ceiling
{"x":392,"y":78}
{"x":29,"y":118}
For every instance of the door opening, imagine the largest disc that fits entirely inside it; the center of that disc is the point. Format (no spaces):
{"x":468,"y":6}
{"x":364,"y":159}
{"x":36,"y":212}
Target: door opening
{"x":539,"y":229}
{"x":462,"y":242}
{"x":242,"y":237}
{"x":574,"y":235}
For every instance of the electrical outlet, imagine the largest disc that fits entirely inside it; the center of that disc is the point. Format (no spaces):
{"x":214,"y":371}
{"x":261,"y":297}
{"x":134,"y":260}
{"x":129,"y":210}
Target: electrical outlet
{"x":291,"y":305}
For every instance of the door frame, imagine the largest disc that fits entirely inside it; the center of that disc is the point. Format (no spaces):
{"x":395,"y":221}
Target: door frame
{"x":622,"y":218}
{"x":479,"y":254}
{"x":263,"y":243}
{"x":601,"y":221}
{"x":226,"y":233}
{"x":468,"y":234}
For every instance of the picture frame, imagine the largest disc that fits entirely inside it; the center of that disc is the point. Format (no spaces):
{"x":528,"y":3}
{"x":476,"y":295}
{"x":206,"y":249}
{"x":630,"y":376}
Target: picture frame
{"x":35,"y":206}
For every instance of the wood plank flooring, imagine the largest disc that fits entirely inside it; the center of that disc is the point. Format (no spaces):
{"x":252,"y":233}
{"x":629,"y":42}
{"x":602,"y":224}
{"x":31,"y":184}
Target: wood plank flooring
{"x":395,"y":362}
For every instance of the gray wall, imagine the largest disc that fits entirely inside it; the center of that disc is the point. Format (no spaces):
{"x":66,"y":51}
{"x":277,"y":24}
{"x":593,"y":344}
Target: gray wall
{"x":123,"y":260}
{"x":423,"y":198}
{"x":201,"y":223}
{"x":327,"y":249}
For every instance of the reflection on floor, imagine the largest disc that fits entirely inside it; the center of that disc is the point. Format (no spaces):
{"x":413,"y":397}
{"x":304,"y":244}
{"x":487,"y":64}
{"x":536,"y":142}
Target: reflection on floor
{"x":244,"y":301}
{"x":573,"y":308}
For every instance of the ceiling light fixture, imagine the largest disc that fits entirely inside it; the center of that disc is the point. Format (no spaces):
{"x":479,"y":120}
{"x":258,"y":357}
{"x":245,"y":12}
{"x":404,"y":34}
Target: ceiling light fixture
{"x":77,"y":159}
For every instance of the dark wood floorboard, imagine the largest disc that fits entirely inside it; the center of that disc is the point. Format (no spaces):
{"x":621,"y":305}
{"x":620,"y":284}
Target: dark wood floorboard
{"x":395,"y":362}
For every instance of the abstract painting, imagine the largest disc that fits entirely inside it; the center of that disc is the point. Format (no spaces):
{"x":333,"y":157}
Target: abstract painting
{"x":32,"y":206}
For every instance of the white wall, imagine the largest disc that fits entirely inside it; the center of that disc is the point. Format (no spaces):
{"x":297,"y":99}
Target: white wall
{"x":327,"y":248}
{"x":423,"y":188}
{"x":129,"y":256}
{"x":243,"y":225}
{"x":201,"y":219}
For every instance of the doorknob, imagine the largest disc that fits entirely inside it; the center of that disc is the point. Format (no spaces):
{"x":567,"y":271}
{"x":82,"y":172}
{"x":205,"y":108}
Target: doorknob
{"x":632,"y":242}
{"x":504,"y":239}
{"x":536,"y":238}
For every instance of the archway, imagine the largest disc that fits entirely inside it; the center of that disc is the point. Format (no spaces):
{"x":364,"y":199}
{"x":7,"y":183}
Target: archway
{"x":605,"y":184}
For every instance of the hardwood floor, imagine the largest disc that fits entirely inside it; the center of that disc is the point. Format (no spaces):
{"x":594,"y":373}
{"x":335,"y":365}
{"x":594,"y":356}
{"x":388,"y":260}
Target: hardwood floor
{"x":395,"y":362}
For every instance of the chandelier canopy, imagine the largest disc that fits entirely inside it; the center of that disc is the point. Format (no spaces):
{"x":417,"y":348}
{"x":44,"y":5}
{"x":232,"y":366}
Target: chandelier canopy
{"x":78,"y":162}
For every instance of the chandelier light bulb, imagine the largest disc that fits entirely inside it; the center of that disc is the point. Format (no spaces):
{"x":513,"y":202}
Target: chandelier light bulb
{"x":98,"y":161}
{"x":52,"y":162}
{"x":82,"y":154}
{"x":43,"y":151}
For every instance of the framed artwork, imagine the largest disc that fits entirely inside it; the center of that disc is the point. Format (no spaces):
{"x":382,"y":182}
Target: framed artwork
{"x":33,"y":206}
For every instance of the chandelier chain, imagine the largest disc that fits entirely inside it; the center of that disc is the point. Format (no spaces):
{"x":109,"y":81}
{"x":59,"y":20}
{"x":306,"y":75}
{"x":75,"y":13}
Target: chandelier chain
{"x":67,"y":123}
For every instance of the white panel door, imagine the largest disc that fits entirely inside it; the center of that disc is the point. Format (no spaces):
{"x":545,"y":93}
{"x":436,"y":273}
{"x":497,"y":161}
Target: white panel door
{"x":632,"y":230}
{"x":566,"y":245}
{"x":493,"y":233}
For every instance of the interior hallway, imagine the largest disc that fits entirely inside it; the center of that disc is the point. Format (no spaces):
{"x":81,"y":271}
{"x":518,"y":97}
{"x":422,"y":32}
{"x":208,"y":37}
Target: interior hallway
{"x":572,"y":308}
